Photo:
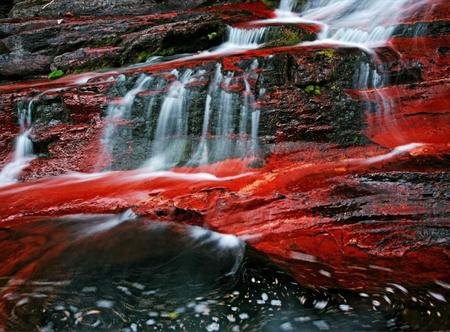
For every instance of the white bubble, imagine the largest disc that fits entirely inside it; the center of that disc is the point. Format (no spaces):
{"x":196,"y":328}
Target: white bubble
{"x":213,"y":327}
{"x":105,"y":304}
{"x":150,"y":322}
{"x":276,"y":303}
{"x":320,"y":304}
{"x":244,"y":316}
{"x":345,"y":307}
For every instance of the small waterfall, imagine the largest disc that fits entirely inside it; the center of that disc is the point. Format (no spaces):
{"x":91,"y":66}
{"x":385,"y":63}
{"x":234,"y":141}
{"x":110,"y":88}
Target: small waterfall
{"x":287,"y":5}
{"x":241,"y":39}
{"x":357,"y":21}
{"x":246,"y":37}
{"x":224,"y":130}
{"x":255,"y":132}
{"x":23,"y":148}
{"x":227,"y":130}
{"x":170,"y":139}
{"x":201,"y":156}
{"x":230,"y":135}
{"x":121,"y":110}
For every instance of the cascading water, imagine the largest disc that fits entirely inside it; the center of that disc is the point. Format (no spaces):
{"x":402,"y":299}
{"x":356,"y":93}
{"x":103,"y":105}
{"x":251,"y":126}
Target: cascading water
{"x":239,"y":39}
{"x":23,"y":149}
{"x":120,"y":111}
{"x":170,"y":138}
{"x":287,"y":5}
{"x":246,"y":38}
{"x":350,"y":21}
{"x":362,"y":24}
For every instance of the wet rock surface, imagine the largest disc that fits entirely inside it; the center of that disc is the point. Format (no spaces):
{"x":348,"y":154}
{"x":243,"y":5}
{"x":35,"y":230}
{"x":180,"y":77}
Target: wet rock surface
{"x":32,"y":47}
{"x":58,"y":8}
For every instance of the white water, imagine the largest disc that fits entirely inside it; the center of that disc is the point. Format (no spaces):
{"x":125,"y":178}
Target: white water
{"x":201,"y":155}
{"x":246,"y":38}
{"x":230,"y":137}
{"x":287,"y":5}
{"x":23,"y":149}
{"x":170,"y":139}
{"x":118,"y":111}
{"x":225,"y":130}
{"x":354,"y":22}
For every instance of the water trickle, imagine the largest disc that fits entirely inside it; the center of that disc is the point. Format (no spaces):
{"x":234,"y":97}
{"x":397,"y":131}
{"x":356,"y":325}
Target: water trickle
{"x":121,"y":110}
{"x":23,"y":148}
{"x":242,"y":39}
{"x":201,"y":155}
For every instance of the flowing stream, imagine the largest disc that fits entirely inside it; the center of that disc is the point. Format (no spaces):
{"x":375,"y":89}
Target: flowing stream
{"x":23,"y":151}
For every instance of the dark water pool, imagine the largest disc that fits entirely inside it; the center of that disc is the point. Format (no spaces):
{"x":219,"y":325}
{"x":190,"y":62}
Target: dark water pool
{"x":109,"y":273}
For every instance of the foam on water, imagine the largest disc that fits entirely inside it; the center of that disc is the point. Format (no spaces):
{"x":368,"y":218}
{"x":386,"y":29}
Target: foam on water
{"x":111,"y":222}
{"x":225,"y":243}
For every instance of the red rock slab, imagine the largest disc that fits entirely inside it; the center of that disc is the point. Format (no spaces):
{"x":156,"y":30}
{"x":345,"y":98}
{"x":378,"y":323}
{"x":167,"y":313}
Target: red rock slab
{"x":348,"y":210}
{"x":415,"y":113}
{"x":432,"y":53}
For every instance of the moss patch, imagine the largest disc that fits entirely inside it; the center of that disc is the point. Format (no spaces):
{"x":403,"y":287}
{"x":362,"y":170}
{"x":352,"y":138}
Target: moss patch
{"x":212,"y":35}
{"x":144,"y":55}
{"x":278,"y":37}
{"x":55,"y":74}
{"x":313,"y":90}
{"x":329,"y":54}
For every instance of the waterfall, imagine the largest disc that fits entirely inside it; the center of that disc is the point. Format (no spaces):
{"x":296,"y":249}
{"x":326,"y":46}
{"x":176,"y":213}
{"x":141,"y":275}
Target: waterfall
{"x":246,"y":37}
{"x":170,"y":139}
{"x":227,"y":130}
{"x":241,"y":39}
{"x":23,"y":148}
{"x":120,"y":110}
{"x":255,"y":132}
{"x":358,"y":22}
{"x":201,"y":155}
{"x":287,"y":5}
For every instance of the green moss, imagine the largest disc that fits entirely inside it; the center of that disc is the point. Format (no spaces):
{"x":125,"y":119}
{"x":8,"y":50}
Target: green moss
{"x":91,"y":67}
{"x":144,"y":55}
{"x":212,"y":35}
{"x":109,"y":41}
{"x":55,"y":74}
{"x":313,"y":90}
{"x":329,"y":54}
{"x":173,"y":315}
{"x":285,"y":37}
